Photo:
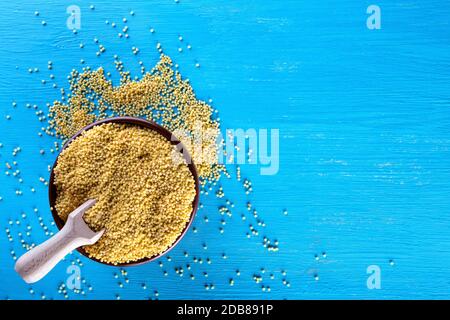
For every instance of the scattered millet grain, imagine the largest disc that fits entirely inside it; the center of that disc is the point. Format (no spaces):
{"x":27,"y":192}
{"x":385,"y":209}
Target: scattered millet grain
{"x":144,"y":199}
{"x":160,"y":95}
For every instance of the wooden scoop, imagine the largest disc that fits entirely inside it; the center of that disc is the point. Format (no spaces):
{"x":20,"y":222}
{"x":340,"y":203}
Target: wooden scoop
{"x":37,"y":262}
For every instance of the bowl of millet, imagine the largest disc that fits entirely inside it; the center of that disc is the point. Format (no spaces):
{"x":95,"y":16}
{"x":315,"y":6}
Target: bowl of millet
{"x":143,"y":179}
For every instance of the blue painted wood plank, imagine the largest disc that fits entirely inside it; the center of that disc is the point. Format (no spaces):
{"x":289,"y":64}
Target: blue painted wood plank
{"x":364,"y":142}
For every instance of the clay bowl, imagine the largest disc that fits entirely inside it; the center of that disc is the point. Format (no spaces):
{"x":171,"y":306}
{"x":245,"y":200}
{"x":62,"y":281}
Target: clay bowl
{"x":52,"y":192}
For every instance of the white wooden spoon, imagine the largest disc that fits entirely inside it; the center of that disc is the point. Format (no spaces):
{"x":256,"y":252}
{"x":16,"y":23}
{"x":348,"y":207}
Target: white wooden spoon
{"x":37,"y":262}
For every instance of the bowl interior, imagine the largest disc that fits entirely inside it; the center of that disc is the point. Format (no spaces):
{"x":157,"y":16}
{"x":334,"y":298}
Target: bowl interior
{"x":146,"y":124}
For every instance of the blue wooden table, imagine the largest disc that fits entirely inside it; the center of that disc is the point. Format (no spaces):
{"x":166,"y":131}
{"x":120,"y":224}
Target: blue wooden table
{"x":363,"y":116}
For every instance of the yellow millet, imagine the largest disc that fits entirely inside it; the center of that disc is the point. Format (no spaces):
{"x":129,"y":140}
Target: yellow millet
{"x":144,"y":198}
{"x":160,"y":95}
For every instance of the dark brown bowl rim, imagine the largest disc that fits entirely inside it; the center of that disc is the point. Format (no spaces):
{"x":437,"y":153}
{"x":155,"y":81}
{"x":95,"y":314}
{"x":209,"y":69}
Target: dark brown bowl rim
{"x":146,"y":124}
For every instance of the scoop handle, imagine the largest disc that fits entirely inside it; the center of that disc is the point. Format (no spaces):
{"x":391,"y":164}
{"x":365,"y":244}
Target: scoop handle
{"x":37,"y":262}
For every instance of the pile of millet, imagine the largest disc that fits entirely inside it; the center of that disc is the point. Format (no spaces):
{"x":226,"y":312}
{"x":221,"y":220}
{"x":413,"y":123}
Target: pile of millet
{"x":144,"y":198}
{"x":160,"y":95}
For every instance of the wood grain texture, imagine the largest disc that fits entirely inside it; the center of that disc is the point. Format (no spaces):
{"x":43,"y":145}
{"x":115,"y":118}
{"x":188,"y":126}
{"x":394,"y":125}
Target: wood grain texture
{"x":364,"y":148}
